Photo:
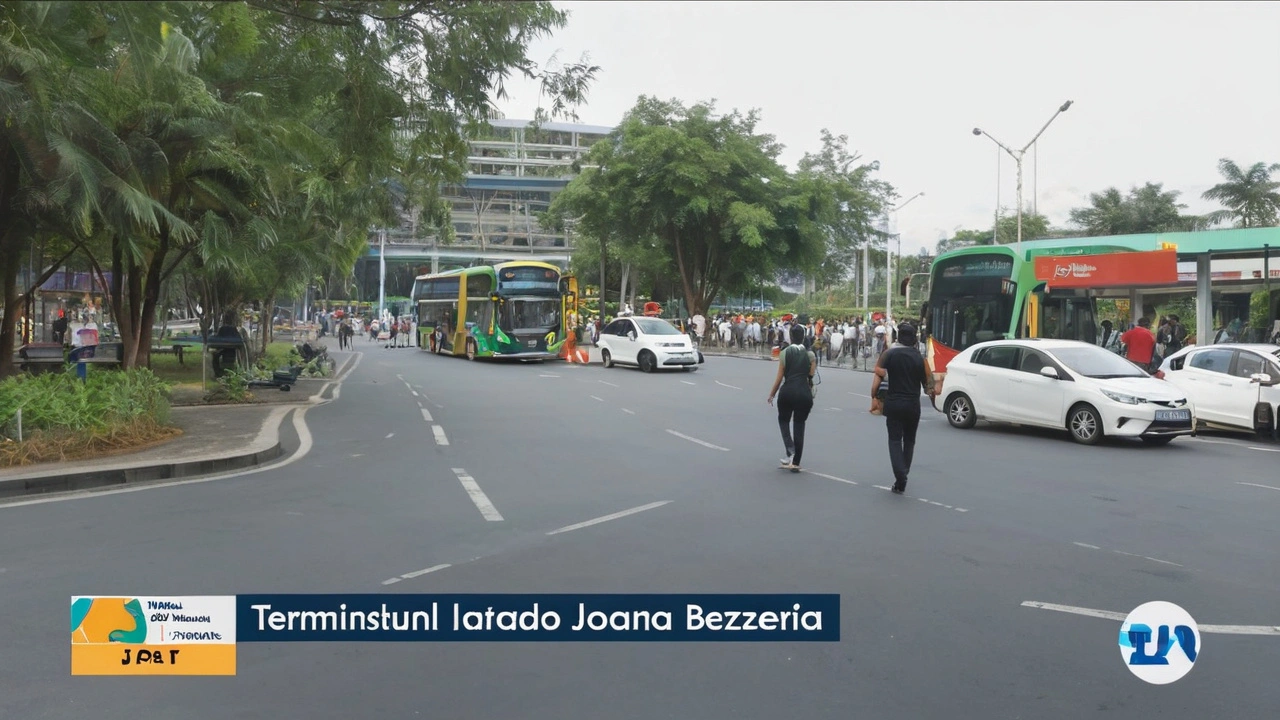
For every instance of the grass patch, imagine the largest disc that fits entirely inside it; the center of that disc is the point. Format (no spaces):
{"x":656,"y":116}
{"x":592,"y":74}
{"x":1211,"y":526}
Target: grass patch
{"x":64,"y":417}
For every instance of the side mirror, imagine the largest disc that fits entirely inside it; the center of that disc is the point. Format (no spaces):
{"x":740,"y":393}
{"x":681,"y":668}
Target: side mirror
{"x":632,"y":334}
{"x":1261,"y":379}
{"x":1049,"y":372}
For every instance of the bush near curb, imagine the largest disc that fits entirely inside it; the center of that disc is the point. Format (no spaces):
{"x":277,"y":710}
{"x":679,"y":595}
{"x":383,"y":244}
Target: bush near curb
{"x":64,"y":417}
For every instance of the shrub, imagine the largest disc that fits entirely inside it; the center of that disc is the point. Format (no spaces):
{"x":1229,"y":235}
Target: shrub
{"x":63,"y":415}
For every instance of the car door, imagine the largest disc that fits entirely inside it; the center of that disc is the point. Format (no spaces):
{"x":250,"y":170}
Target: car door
{"x":989,"y":375}
{"x":1033,"y":398}
{"x":1245,"y":393}
{"x":1207,"y":374}
{"x":622,"y":340}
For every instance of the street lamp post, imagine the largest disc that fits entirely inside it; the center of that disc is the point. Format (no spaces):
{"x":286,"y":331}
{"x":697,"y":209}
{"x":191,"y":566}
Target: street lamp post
{"x":888,"y":258}
{"x":1017,"y":157}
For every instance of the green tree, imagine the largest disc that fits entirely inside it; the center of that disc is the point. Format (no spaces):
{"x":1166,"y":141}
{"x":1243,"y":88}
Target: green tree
{"x":965,"y":238}
{"x":1250,"y":197}
{"x":707,"y":189}
{"x":1034,"y":226}
{"x":1146,"y":209}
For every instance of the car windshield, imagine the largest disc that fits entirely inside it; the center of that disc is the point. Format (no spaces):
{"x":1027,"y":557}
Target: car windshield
{"x":651,"y":326}
{"x":1095,"y":362}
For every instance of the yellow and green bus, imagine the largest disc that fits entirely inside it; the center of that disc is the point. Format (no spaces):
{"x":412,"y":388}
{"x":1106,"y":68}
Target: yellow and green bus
{"x":518,"y":309}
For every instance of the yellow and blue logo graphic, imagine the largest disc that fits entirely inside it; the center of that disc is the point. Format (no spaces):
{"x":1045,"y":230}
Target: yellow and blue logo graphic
{"x":153,"y":635}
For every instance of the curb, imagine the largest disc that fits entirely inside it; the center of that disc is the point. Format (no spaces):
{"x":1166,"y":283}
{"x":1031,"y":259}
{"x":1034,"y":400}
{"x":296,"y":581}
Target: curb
{"x":92,"y":479}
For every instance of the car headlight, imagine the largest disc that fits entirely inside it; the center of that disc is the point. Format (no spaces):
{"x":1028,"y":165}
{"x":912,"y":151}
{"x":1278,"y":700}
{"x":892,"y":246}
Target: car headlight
{"x":1122,"y":398}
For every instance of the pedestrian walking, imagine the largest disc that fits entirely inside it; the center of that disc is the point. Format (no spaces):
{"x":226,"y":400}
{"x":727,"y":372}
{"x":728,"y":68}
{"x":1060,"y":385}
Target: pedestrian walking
{"x":796,"y":367}
{"x":901,"y":373}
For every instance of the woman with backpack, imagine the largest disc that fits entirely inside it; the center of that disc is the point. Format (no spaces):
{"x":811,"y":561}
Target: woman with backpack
{"x":796,"y":367}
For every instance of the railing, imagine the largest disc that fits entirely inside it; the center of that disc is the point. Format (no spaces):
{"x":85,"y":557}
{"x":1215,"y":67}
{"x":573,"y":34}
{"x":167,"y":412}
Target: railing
{"x":12,"y":427}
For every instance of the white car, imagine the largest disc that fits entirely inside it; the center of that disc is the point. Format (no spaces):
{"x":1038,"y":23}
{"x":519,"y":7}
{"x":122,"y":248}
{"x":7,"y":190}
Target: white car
{"x":1065,"y":384}
{"x":1232,"y":386}
{"x":648,"y":343}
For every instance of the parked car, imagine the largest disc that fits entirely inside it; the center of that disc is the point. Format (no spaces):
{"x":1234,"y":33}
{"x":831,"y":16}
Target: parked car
{"x":1088,"y":391}
{"x":648,"y":343}
{"x":1232,"y":386}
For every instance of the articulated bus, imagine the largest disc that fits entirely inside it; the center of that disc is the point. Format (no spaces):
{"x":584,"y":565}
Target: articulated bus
{"x":519,"y":309}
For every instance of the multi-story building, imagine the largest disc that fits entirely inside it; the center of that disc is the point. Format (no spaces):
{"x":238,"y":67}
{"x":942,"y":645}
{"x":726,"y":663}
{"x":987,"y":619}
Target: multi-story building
{"x":514,"y":172}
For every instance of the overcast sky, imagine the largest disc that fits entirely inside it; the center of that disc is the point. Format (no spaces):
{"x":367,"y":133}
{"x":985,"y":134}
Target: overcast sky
{"x":1161,"y":90}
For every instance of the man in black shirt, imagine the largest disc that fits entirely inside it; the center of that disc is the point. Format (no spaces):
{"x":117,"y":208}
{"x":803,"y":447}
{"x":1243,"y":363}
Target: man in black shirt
{"x":907,"y":375}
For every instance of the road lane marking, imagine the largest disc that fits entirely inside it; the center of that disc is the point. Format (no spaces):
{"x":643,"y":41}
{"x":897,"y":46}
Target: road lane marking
{"x":1127,"y":554}
{"x":594,"y":397}
{"x":686,"y":382}
{"x":830,"y":477}
{"x":1120,"y":617}
{"x":553,"y":376}
{"x":478,"y":497}
{"x":440,"y":436}
{"x":704,"y":443}
{"x":1263,"y":449}
{"x":860,"y":395}
{"x":1257,"y":485}
{"x":415,"y":392}
{"x":629,"y":412}
{"x":426,"y":415}
{"x":607,"y":518}
{"x":735,"y":387}
{"x":606,"y":382}
{"x":1085,"y":545}
{"x":420,"y":573}
{"x":389,"y":436}
{"x":834,"y":409}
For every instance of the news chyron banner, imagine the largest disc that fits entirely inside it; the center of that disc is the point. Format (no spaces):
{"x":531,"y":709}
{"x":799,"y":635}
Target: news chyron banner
{"x":198,"y":635}
{"x":189,"y":635}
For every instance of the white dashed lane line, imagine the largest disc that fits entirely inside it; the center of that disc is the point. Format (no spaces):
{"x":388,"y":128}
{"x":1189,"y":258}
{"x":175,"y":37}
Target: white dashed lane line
{"x":426,"y":415}
{"x":441,"y":438}
{"x":1269,"y":487}
{"x":703,"y":443}
{"x":686,"y":382}
{"x":607,"y":518}
{"x":732,"y":387}
{"x":414,"y":574}
{"x":1272,"y":630}
{"x":629,"y":412}
{"x":606,"y":382}
{"x":1127,"y":554}
{"x":482,"y":502}
{"x":597,"y":398}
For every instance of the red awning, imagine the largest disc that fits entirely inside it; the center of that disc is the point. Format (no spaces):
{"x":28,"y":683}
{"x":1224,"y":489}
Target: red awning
{"x":1122,"y":269}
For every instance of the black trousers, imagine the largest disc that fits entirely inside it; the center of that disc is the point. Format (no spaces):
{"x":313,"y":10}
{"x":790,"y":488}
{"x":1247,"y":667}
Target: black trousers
{"x":793,"y":411}
{"x":902,"y":417}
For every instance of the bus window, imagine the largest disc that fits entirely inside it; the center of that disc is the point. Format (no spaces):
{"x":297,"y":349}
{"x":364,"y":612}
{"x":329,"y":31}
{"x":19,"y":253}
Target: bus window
{"x":479,"y":314}
{"x":521,"y":315}
{"x":971,"y":299}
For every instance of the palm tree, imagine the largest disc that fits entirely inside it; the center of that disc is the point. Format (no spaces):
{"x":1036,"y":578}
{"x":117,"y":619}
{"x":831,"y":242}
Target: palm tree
{"x":1250,"y":197}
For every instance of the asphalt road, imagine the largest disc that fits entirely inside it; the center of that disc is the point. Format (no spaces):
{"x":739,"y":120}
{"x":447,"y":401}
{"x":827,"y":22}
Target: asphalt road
{"x":932,"y":583}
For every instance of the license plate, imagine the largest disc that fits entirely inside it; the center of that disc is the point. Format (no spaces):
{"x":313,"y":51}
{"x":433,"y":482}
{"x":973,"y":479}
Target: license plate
{"x":533,"y":343}
{"x":1173,"y":415}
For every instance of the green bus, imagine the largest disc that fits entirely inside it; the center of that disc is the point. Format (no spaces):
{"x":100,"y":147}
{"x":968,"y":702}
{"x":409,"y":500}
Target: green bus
{"x":990,"y":292}
{"x":519,"y":309}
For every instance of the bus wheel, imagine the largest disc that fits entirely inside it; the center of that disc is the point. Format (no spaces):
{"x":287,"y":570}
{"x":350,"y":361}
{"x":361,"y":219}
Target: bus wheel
{"x":647,"y":361}
{"x":471,"y":349}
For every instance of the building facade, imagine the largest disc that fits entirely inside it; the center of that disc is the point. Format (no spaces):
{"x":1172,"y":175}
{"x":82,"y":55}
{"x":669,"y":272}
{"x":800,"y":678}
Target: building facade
{"x":514,"y":172}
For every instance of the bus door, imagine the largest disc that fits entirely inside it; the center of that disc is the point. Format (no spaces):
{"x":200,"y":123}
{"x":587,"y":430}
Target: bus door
{"x":1062,"y":315}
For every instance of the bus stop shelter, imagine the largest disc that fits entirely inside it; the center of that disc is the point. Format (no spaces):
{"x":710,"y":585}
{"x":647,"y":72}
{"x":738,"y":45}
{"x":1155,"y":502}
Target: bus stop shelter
{"x":1166,"y":264}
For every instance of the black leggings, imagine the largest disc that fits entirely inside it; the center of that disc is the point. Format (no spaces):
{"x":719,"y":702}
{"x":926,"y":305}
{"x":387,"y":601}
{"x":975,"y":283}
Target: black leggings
{"x":789,"y":407}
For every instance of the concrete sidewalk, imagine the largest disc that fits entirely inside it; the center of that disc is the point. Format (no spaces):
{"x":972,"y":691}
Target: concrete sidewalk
{"x":214,"y":439}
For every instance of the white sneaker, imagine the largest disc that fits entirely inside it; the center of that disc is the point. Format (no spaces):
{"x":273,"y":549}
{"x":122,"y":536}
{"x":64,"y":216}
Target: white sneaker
{"x":786,"y":461}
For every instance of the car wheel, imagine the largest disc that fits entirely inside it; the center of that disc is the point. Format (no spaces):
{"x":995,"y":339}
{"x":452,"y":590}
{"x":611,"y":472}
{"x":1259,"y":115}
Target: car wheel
{"x":1157,"y":441}
{"x":647,"y":361}
{"x":471,"y":349}
{"x":960,"y":411}
{"x":1085,"y":425}
{"x":606,"y":359}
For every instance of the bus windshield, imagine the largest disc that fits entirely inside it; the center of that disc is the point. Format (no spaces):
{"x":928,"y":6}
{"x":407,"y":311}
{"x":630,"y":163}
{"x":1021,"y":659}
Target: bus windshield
{"x":528,"y":314}
{"x":971,"y":300}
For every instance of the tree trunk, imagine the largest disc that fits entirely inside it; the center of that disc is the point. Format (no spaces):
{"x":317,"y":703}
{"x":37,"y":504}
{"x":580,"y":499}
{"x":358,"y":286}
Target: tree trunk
{"x":622,"y":290}
{"x":9,"y":271}
{"x":604,"y":281}
{"x":692,"y":300}
{"x":265,"y":322}
{"x":635,"y":282}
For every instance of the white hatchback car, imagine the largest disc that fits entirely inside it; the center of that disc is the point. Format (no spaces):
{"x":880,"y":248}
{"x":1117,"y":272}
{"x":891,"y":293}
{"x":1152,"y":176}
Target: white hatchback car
{"x":648,"y":343}
{"x":1082,"y":388}
{"x":1232,"y":386}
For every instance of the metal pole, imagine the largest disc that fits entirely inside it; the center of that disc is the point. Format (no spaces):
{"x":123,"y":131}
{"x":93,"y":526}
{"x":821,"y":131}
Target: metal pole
{"x":888,"y":280}
{"x":995,"y":231}
{"x":1035,"y":179}
{"x":866,"y":276}
{"x":382,"y":274}
{"x":1266,"y":280}
{"x":1019,"y":204}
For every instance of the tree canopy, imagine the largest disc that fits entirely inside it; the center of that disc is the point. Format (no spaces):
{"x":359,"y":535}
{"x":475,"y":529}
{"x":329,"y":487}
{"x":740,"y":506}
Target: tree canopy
{"x":244,"y":148}
{"x":705,"y":192}
{"x":1146,"y":209}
